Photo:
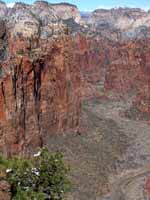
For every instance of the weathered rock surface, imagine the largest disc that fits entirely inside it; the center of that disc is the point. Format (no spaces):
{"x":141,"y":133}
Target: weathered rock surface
{"x":3,"y":9}
{"x":40,"y":94}
{"x":51,"y":58}
{"x":119,"y":23}
{"x":4,"y":190}
{"x":116,"y":70}
{"x":66,"y":11}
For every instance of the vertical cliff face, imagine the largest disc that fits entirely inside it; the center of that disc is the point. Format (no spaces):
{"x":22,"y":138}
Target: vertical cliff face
{"x":40,"y":95}
{"x":116,"y":69}
{"x":40,"y":76}
{"x":66,"y":11}
{"x":42,"y":82}
{"x":3,"y":41}
{"x":51,"y":63}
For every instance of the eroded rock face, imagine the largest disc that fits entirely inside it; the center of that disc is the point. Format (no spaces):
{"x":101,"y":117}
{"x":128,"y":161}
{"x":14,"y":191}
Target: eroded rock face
{"x":119,"y":24}
{"x":51,"y":63}
{"x":40,"y":77}
{"x":40,"y":95}
{"x":3,"y":9}
{"x":66,"y":11}
{"x":4,"y":190}
{"x":46,"y":68}
{"x":128,"y":72}
{"x":41,"y":19}
{"x":3,"y":41}
{"x":120,"y":68}
{"x":22,"y":22}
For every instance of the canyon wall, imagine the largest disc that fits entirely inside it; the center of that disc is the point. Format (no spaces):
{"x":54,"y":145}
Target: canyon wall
{"x":51,"y":58}
{"x":78,"y":83}
{"x":40,"y":93}
{"x":117,"y":70}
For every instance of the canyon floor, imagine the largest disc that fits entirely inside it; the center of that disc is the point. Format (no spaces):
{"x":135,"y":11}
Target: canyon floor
{"x":109,"y":156}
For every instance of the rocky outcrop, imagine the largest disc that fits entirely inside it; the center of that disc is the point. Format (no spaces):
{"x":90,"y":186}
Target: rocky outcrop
{"x":3,"y":41}
{"x":38,"y":20}
{"x":40,"y":95}
{"x":119,"y":23}
{"x":67,"y":11}
{"x":3,"y":9}
{"x":4,"y":190}
{"x":41,"y":19}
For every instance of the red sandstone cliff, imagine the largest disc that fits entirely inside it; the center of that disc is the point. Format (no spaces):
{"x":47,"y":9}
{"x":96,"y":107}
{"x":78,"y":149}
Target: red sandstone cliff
{"x":118,"y":68}
{"x":44,"y":79}
{"x":51,"y":62}
{"x":40,"y":95}
{"x":44,"y":71}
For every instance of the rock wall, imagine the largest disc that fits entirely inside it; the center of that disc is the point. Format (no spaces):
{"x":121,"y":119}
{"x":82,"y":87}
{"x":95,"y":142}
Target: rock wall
{"x":46,"y":67}
{"x":119,"y":69}
{"x":40,"y":95}
{"x":119,"y":23}
{"x":66,"y":11}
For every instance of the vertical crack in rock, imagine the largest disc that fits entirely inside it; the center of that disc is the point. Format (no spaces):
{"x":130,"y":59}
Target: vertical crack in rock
{"x":3,"y":91}
{"x":37,"y":69}
{"x":37,"y":81}
{"x":23,"y":102}
{"x":19,"y":83}
{"x":14,"y":81}
{"x":41,"y":93}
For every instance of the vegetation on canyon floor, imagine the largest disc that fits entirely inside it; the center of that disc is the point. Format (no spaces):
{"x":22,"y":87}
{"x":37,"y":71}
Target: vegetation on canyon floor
{"x":43,"y":177}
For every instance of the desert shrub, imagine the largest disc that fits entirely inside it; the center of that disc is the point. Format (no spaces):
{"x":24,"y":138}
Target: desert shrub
{"x":44,"y":177}
{"x":20,"y":52}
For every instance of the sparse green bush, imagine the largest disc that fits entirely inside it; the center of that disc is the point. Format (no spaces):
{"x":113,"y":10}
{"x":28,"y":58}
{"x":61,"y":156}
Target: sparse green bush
{"x":44,"y":177}
{"x":20,"y":52}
